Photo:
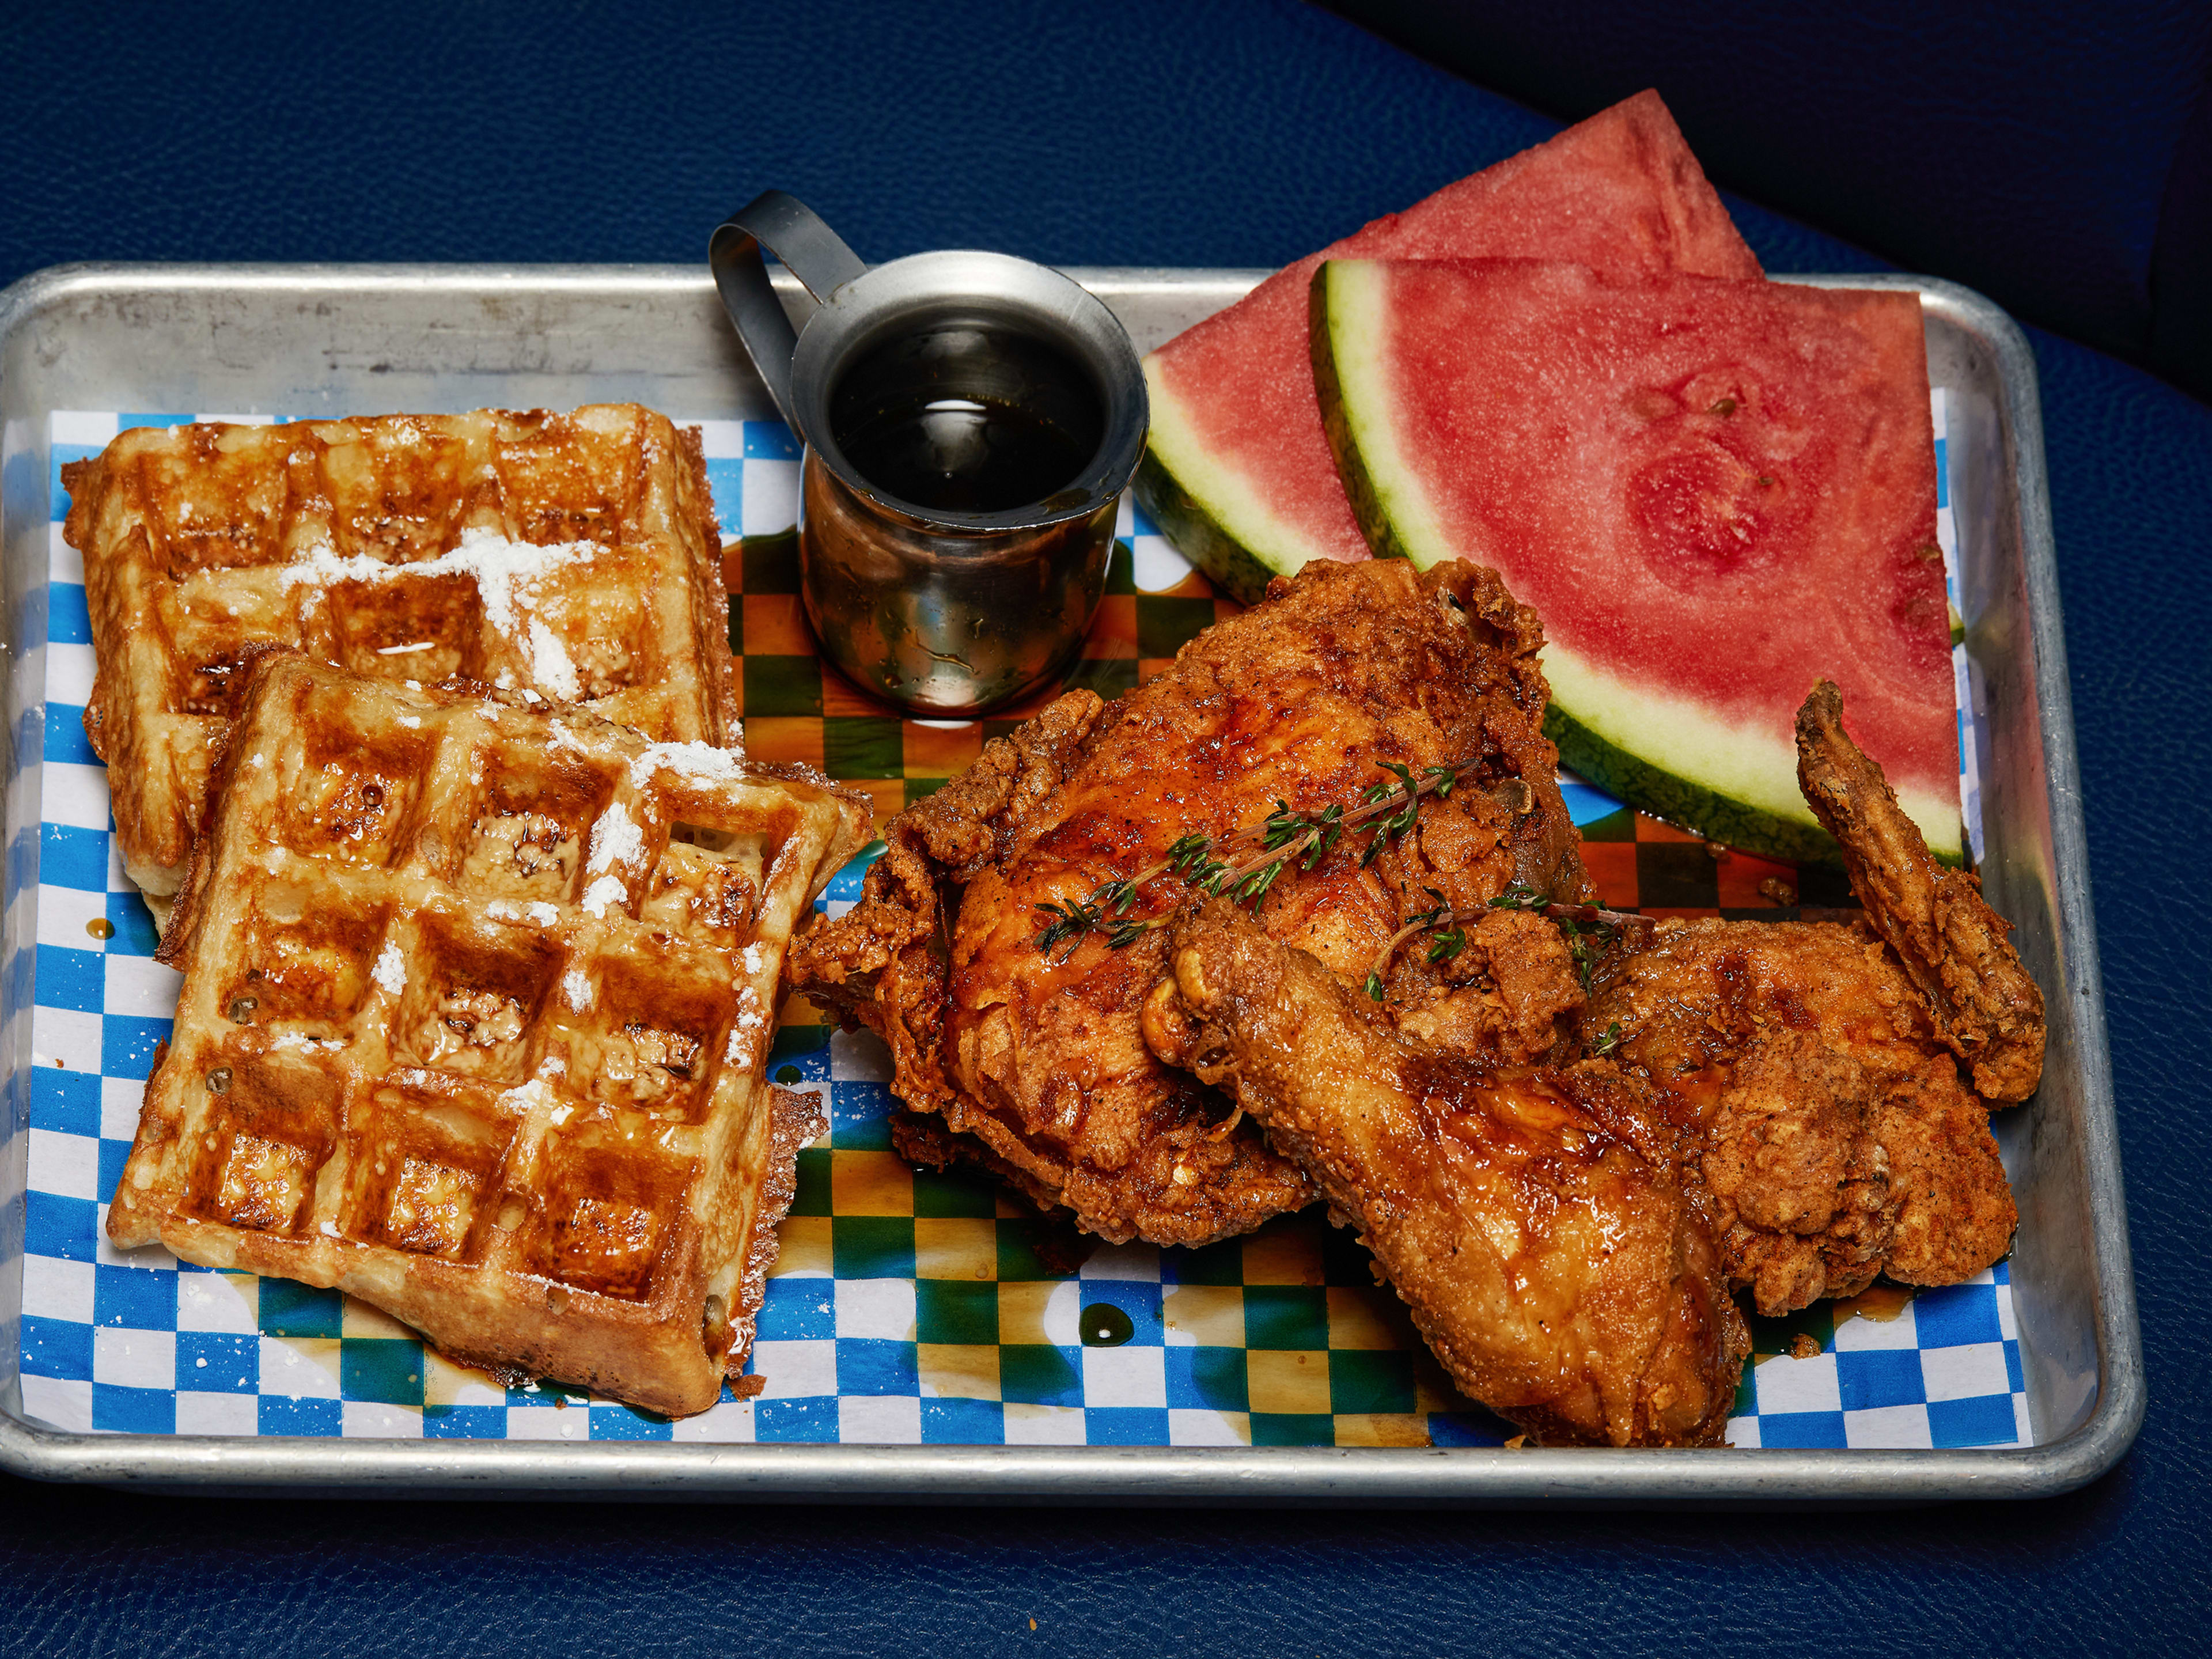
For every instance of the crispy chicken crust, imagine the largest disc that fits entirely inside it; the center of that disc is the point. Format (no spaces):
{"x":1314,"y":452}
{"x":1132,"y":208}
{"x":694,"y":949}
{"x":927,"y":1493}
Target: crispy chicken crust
{"x":1840,"y":1142}
{"x":1041,"y":1059}
{"x":1816,"y":1061}
{"x":1782,"y":1110}
{"x":1546,"y":1232}
{"x":1956,"y":949}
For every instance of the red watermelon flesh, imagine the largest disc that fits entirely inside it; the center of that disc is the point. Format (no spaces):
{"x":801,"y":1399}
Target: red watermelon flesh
{"x":1621,"y":192}
{"x":1713,"y":492}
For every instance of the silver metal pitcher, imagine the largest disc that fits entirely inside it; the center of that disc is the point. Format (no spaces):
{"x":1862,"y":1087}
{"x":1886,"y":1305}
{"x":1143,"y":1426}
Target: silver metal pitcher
{"x":954,"y":606}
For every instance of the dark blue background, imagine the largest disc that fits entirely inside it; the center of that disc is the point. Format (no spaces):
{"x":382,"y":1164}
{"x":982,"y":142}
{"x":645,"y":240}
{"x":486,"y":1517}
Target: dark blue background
{"x":1242,"y":132}
{"x":2054,"y":154}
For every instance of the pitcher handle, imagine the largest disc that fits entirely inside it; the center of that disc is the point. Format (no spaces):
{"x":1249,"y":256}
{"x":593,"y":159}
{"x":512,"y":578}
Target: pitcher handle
{"x":785,"y":226}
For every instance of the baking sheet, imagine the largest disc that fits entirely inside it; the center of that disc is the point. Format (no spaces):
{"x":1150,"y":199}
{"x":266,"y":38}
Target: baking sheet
{"x":330,"y":340}
{"x":905,"y":1307}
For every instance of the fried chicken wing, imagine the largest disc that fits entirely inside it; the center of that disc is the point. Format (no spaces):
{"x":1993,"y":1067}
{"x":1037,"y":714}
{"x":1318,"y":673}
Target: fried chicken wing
{"x":1544,"y":1228}
{"x":1955,"y":949}
{"x":1294,"y":705}
{"x":1819,"y":1062}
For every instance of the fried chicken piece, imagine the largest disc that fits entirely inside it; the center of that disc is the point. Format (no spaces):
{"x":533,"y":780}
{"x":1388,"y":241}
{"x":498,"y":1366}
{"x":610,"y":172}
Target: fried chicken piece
{"x":1541,"y":1226}
{"x":1815,"y":1061}
{"x":886,"y":964}
{"x":1795,"y":1163}
{"x":1840,"y":1142}
{"x":1988,"y":1010}
{"x":1297,"y":701}
{"x":1521,"y":989}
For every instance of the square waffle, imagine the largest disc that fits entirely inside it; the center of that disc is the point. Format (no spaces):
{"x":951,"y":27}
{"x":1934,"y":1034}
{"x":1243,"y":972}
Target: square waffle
{"x":476,"y":1002}
{"x":575,"y":556}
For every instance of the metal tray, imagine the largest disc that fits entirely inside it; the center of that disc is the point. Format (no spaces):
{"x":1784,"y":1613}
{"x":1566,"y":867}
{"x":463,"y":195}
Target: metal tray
{"x":358,"y":339}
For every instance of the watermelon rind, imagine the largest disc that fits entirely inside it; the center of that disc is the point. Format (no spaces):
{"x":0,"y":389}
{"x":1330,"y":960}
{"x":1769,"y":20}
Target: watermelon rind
{"x":1392,"y":509}
{"x":1666,"y":789}
{"x":1667,"y":755}
{"x":1665,"y":795}
{"x":1209,"y":512}
{"x":1197,"y":534}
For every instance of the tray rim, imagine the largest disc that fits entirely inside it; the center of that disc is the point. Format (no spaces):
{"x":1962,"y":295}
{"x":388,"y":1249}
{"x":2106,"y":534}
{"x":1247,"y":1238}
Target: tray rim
{"x":1462,"y":1475}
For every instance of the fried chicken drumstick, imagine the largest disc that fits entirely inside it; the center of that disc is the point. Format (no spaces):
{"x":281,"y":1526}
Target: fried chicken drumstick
{"x":1544,"y":1228}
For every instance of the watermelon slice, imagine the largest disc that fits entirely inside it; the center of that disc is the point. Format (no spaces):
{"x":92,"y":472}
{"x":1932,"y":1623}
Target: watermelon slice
{"x":1714,"y":493}
{"x":1237,"y":471}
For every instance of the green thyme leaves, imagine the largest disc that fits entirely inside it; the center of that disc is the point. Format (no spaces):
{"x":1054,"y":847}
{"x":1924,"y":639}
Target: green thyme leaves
{"x":1284,"y":839}
{"x":1587,"y":928}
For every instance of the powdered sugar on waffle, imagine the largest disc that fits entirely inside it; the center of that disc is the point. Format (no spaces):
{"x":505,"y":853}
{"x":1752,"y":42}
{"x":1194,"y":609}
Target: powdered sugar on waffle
{"x":537,"y":1092}
{"x":507,"y":574}
{"x":550,"y":665}
{"x":695,"y":762}
{"x":616,"y":839}
{"x":536,"y":910}
{"x":391,"y":970}
{"x":751,"y":1021}
{"x":576,"y":986}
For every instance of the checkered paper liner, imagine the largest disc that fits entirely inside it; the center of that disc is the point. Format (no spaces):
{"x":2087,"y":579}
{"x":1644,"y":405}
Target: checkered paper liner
{"x":907,"y":1307}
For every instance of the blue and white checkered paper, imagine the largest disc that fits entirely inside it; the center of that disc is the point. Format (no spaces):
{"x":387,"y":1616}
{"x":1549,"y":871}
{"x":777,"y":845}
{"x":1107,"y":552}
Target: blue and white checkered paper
{"x":139,"y":1342}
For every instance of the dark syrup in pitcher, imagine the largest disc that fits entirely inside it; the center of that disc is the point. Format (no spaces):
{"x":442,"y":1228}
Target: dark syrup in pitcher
{"x":967,"y":418}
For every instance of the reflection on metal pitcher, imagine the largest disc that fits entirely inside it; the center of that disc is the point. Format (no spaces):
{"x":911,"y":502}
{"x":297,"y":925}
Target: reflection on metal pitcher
{"x":969,"y":421}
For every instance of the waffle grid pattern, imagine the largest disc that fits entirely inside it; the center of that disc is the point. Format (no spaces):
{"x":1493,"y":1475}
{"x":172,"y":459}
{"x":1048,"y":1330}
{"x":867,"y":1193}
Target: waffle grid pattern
{"x":907,"y":1308}
{"x":449,"y":1064}
{"x":390,"y":546}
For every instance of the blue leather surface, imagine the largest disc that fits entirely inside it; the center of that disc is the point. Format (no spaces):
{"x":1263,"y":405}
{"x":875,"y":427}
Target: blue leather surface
{"x":1240,"y":133}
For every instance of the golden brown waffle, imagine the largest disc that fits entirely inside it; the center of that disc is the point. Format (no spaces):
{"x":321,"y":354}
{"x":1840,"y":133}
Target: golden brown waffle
{"x":476,"y":1002}
{"x":575,"y":556}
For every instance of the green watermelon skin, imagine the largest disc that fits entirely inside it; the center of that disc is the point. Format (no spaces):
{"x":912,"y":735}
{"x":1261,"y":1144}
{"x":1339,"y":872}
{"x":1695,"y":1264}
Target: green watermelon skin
{"x":1197,"y":534}
{"x":1540,"y":420}
{"x":1370,"y":510}
{"x":1238,"y":472}
{"x":1684,"y":801}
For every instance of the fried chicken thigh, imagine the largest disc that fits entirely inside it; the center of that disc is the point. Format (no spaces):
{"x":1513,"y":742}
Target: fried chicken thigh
{"x":1035,"y":1060}
{"x":1839,"y":1140}
{"x":1820,"y":1062}
{"x":1544,"y":1228}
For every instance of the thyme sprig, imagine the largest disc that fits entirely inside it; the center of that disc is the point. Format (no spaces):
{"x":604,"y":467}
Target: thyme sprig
{"x":1587,"y":928}
{"x":1248,"y":861}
